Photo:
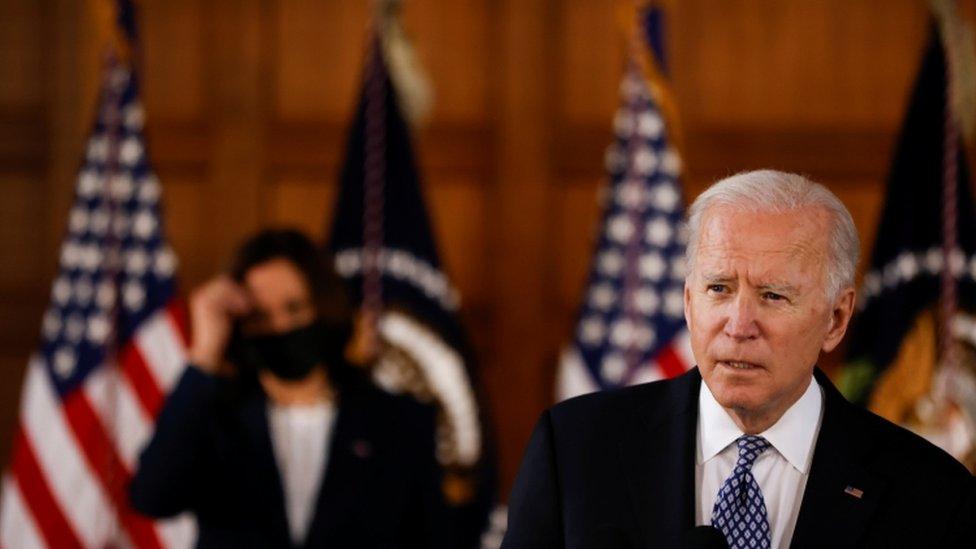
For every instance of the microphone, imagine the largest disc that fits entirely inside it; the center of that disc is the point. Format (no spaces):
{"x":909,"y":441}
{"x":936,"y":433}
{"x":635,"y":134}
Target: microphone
{"x":704,"y":537}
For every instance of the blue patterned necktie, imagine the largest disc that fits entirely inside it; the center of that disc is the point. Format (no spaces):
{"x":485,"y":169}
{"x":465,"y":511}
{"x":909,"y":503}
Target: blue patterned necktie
{"x":740,"y":511}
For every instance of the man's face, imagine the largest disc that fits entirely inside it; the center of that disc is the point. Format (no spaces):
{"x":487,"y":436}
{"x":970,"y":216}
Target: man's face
{"x":281,"y":298}
{"x":757,"y":309}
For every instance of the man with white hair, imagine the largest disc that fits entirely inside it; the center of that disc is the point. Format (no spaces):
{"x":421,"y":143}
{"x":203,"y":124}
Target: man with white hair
{"x":755,"y":445}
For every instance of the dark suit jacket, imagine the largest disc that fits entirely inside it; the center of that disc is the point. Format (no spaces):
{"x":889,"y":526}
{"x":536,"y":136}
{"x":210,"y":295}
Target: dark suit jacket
{"x":212,"y":454}
{"x":617,"y":469}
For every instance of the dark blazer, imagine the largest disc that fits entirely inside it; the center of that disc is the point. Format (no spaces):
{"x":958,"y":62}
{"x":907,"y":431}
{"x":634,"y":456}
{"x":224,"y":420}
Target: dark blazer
{"x":617,"y":469}
{"x":212,"y":454}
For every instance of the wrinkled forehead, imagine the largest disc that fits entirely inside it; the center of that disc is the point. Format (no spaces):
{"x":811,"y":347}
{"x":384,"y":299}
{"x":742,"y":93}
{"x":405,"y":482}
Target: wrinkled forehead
{"x":728,"y":232}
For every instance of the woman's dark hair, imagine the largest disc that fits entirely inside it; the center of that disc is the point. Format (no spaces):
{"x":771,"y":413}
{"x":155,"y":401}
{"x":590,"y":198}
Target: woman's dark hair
{"x":329,"y":292}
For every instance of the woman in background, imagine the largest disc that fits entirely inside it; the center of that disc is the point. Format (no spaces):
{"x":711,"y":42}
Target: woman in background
{"x":296,"y":448}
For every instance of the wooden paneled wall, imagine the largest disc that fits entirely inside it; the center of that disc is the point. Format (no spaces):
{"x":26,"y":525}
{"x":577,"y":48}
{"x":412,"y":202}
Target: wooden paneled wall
{"x":248,"y":100}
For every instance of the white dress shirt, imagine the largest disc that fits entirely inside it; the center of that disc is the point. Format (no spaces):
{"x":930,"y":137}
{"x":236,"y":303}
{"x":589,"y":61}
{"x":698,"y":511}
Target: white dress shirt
{"x":781,"y":471}
{"x":301,"y":436}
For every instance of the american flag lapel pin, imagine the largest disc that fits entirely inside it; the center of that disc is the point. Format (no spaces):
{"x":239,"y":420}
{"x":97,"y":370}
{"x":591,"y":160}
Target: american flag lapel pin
{"x":852,"y":491}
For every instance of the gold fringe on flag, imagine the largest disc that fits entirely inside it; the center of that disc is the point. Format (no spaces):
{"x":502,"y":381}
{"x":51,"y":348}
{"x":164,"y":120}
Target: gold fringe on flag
{"x":909,"y":377}
{"x":959,"y":40}
{"x":629,"y":14}
{"x":414,"y":93}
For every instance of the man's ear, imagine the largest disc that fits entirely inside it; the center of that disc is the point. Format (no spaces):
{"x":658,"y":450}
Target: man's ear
{"x":840,"y":317}
{"x":687,"y":303}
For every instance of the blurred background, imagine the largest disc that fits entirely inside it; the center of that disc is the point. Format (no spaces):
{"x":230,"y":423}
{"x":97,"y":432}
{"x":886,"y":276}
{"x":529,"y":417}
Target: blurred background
{"x":248,"y":103}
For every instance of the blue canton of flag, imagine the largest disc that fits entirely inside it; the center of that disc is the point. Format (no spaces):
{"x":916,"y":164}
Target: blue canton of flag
{"x":631,"y":323}
{"x":115,"y":268}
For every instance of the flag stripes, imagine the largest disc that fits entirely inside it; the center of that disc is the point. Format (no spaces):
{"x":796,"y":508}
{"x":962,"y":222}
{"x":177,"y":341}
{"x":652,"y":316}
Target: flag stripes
{"x":72,"y":459}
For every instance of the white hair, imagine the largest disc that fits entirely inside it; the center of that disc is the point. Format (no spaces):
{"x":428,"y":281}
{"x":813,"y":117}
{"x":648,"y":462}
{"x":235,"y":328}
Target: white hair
{"x":778,"y":192}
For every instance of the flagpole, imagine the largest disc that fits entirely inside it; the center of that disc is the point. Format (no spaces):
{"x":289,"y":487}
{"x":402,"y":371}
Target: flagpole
{"x":950,"y":172}
{"x":117,"y":51}
{"x":374,"y":171}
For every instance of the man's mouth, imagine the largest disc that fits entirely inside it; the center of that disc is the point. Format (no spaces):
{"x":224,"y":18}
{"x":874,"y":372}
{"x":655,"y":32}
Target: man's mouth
{"x":738,"y":365}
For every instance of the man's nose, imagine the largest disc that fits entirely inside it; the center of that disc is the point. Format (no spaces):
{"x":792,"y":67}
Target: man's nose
{"x":742,"y":322}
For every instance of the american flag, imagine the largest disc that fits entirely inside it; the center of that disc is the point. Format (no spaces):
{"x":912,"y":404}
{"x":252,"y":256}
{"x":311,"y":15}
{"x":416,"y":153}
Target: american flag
{"x":631,"y":327}
{"x":112,"y":344}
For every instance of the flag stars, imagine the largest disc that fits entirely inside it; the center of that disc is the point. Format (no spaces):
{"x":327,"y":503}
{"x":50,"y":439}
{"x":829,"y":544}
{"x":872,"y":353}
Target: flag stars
{"x":51,"y":324}
{"x":621,"y":228}
{"x":136,"y":262}
{"x":144,"y":225}
{"x":121,"y":187}
{"x":133,"y":295}
{"x":623,"y":123}
{"x":645,"y":161}
{"x":649,"y":125}
{"x":130,"y":153}
{"x":631,"y":194}
{"x":64,"y":362}
{"x":97,"y":149}
{"x":664,"y":197}
{"x":646,"y":301}
{"x":659,"y":232}
{"x":613,"y":368}
{"x":611,"y":262}
{"x":592,"y":331}
{"x":105,"y":295}
{"x":78,"y":220}
{"x":643,"y":337}
{"x":671,"y":162}
{"x":61,"y":291}
{"x":602,"y":297}
{"x":89,"y":184}
{"x":165,"y":263}
{"x":149,"y":190}
{"x":98,"y":329}
{"x":674,"y":303}
{"x":621,"y":333}
{"x":83,"y":291}
{"x":99,"y":221}
{"x":69,"y":255}
{"x":652,"y":266}
{"x":89,"y":257}
{"x":74,"y":328}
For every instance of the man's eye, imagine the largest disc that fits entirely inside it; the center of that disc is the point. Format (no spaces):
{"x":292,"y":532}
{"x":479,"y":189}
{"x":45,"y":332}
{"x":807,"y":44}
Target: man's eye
{"x":771,"y":296}
{"x":716,"y":288}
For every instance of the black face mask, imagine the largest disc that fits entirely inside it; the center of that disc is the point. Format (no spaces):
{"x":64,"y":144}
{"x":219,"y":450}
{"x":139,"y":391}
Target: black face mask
{"x":292,"y":355}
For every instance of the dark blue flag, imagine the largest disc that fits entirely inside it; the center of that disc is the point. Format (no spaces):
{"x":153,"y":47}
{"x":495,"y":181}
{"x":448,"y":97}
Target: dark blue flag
{"x":384,"y":246}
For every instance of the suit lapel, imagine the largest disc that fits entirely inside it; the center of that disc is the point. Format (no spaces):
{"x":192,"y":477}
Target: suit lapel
{"x":840,"y":495}
{"x":266,"y":479}
{"x":350,"y":454}
{"x":658,"y":454}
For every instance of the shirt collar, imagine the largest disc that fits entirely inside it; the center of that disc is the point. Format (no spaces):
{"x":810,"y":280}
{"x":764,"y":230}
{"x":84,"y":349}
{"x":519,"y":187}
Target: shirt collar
{"x":792,"y":436}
